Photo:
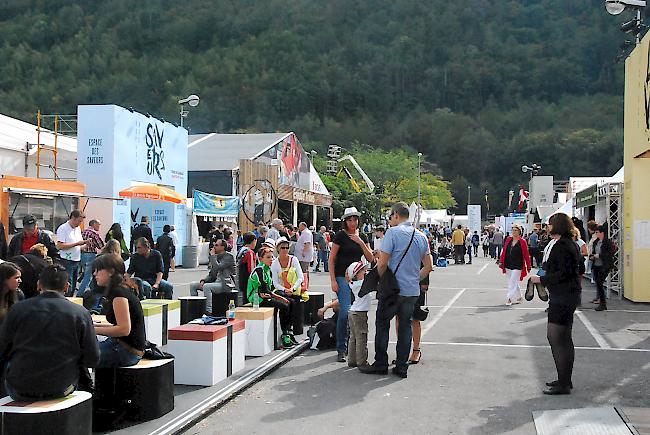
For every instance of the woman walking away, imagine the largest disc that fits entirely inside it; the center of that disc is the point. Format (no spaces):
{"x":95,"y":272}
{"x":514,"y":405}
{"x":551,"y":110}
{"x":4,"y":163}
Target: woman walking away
{"x":10,"y":279}
{"x":348,"y":247}
{"x":125,"y":328}
{"x":562,"y":278}
{"x":603,"y":261}
{"x":515,"y":262}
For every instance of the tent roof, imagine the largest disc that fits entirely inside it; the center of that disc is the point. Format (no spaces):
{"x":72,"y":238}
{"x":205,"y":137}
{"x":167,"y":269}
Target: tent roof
{"x":217,"y":152}
{"x":14,"y":134}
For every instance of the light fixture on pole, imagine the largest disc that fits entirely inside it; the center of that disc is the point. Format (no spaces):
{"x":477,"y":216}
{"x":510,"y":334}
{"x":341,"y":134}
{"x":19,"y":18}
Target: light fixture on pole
{"x":469,"y":195}
{"x":192,"y":101}
{"x":419,"y":177}
{"x":634,"y":26}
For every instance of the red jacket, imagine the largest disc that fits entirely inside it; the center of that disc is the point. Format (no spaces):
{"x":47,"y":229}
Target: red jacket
{"x":525,"y":268}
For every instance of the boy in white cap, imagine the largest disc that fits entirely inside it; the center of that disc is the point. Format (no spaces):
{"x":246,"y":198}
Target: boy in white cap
{"x":358,"y":317}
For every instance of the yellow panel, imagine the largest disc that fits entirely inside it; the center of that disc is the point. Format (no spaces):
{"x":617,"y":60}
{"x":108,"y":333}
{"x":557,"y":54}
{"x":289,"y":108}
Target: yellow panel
{"x":247,"y":313}
{"x":636,"y":206}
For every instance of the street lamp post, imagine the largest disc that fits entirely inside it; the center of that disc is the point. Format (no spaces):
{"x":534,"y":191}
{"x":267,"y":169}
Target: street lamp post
{"x":192,"y":101}
{"x":419,"y":177}
{"x":469,"y":195}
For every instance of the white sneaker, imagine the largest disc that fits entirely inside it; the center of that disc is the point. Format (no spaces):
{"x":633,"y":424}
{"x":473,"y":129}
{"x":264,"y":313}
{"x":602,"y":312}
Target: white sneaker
{"x":509,"y":303}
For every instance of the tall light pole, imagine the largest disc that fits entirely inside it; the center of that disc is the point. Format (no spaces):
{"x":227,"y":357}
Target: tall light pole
{"x":192,"y":101}
{"x":419,"y":177}
{"x":469,"y":195}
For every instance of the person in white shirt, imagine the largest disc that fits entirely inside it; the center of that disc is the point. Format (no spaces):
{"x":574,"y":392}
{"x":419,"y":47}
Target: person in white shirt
{"x":379,"y":236}
{"x":358,"y":317}
{"x":69,"y":242}
{"x":303,"y":250}
{"x":176,"y":242}
{"x":274,"y":231}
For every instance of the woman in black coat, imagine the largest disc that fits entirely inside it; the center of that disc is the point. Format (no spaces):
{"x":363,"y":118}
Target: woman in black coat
{"x":562,"y":279}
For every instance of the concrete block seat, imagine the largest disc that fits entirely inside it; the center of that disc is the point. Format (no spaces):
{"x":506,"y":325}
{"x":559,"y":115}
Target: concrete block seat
{"x":68,"y":415}
{"x":171,"y":314}
{"x":221,"y":300}
{"x":192,"y":307}
{"x":153,"y":323}
{"x":316,"y":301}
{"x":207,"y":354}
{"x":137,"y":393}
{"x":261,"y":328}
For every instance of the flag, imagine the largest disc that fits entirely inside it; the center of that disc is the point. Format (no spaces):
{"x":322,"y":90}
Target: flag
{"x":487,"y":203}
{"x":523,"y":197}
{"x":511,"y":194}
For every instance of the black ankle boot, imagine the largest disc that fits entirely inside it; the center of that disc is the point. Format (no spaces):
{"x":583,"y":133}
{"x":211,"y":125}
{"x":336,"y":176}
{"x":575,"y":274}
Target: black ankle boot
{"x":556,"y":383}
{"x":557,"y":390}
{"x":602,"y":307}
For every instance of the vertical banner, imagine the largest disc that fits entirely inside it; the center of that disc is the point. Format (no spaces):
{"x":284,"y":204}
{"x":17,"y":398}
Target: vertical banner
{"x":474,"y":218}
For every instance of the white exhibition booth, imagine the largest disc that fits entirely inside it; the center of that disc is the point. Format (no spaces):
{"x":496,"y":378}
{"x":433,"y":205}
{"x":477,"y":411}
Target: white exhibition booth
{"x":119,"y":148}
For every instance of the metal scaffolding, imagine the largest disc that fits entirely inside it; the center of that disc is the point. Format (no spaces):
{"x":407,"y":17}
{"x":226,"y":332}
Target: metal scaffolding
{"x":612,"y":194}
{"x":65,"y":125}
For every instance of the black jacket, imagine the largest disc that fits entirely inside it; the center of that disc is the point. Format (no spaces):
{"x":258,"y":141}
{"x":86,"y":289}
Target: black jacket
{"x":563,"y":269}
{"x":31,"y":266}
{"x":16,"y":244}
{"x":606,"y":254}
{"x":141,"y":230}
{"x":3,"y":242}
{"x":165,"y":245}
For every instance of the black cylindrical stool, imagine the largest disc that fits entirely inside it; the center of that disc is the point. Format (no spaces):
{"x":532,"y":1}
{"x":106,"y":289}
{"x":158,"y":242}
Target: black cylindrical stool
{"x":315,"y":302}
{"x":192,"y":307}
{"x":220,"y":302}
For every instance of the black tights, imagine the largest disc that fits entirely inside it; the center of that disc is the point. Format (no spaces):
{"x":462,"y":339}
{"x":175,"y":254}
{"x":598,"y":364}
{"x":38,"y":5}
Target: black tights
{"x":561,"y":341}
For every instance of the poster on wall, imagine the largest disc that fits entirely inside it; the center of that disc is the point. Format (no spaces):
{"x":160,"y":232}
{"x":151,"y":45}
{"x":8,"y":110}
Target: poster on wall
{"x":293,"y":162}
{"x":259,"y":202}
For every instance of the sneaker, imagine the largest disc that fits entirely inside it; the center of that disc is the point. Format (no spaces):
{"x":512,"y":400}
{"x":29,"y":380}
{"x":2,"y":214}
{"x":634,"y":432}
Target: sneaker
{"x":293,"y":339}
{"x":601,"y":307}
{"x":340,"y":357}
{"x":508,"y":303}
{"x":373,"y":370}
{"x":399,"y":373}
{"x":286,"y":342}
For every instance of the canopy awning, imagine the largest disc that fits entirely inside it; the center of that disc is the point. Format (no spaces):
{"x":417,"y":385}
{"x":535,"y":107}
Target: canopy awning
{"x":152,"y":192}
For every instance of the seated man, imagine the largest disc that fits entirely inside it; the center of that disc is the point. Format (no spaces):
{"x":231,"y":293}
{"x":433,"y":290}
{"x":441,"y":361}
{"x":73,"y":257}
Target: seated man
{"x":47,"y":342}
{"x":147,"y":264}
{"x":220,"y":278}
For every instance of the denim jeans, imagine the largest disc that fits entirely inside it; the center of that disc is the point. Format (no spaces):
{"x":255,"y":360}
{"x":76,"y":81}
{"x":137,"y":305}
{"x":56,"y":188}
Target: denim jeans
{"x":87,"y":259}
{"x":164,"y":287}
{"x":323,"y":257}
{"x":600,"y":277}
{"x":208,"y":289}
{"x":403,"y":309}
{"x":72,"y":267}
{"x":345,"y":300}
{"x":114,"y":354}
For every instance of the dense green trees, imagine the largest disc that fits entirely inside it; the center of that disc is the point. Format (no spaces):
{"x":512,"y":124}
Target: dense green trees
{"x":480,"y":86}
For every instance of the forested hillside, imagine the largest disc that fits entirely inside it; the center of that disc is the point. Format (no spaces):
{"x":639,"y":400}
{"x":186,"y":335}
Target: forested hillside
{"x":479,"y":86}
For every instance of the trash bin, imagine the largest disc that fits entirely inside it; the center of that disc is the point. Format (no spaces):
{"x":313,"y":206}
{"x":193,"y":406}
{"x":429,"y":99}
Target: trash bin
{"x":190,"y":257}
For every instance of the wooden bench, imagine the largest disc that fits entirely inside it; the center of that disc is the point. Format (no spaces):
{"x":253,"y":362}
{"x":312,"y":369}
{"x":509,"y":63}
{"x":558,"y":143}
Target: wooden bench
{"x":136,"y":393}
{"x":68,"y":415}
{"x":207,"y":354}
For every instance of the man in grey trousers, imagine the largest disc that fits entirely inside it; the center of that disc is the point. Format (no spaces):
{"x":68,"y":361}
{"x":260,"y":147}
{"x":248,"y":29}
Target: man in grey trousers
{"x":220,"y":278}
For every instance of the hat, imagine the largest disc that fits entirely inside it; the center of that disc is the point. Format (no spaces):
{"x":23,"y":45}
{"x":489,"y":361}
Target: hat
{"x":350,"y":211}
{"x":269,"y":242}
{"x":29,"y":221}
{"x":281,"y":240}
{"x":354,"y":268}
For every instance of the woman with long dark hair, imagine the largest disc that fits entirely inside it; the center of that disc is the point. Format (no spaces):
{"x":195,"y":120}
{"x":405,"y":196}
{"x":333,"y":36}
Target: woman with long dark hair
{"x":125,"y":331}
{"x":115,"y":233}
{"x":562,"y":279}
{"x":515,"y":262}
{"x":10,"y":277}
{"x":348,"y":246}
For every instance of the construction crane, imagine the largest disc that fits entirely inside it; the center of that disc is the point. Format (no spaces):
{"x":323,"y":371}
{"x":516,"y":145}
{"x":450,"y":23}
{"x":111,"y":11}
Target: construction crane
{"x":347,"y":173}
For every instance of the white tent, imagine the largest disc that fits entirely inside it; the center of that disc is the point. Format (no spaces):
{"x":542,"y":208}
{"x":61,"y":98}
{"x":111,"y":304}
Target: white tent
{"x":567,"y":209}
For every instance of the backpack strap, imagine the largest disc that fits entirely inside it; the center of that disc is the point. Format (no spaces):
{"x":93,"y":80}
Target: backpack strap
{"x":405,"y":251}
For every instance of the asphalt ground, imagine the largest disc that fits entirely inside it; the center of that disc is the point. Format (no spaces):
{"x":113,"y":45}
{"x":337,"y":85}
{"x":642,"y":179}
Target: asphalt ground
{"x":482,"y":371}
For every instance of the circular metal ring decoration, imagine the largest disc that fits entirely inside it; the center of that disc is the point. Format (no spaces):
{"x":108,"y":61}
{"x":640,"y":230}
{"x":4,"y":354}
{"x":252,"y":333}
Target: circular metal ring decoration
{"x":259,"y":202}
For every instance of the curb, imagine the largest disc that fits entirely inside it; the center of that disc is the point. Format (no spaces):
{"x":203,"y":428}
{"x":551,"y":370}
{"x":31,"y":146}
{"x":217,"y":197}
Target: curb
{"x":212,"y":403}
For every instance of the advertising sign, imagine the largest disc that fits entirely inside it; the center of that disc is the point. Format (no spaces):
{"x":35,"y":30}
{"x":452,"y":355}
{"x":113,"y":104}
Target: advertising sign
{"x":474,"y":218}
{"x":587,"y":197}
{"x":293,"y":161}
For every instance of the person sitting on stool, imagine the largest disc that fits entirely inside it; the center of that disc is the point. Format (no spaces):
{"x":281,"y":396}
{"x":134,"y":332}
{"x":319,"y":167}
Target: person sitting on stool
{"x":47,"y":342}
{"x":147,"y":265}
{"x":220,"y":276}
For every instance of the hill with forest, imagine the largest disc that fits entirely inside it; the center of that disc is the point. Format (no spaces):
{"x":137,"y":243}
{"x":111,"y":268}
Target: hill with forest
{"x":480,"y":87}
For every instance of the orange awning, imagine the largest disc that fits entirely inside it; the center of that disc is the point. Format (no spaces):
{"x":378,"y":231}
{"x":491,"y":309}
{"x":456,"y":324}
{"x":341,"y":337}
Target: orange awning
{"x":153,"y":192}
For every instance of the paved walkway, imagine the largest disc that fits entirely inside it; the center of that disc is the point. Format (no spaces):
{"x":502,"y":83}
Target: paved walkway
{"x":482,"y":371}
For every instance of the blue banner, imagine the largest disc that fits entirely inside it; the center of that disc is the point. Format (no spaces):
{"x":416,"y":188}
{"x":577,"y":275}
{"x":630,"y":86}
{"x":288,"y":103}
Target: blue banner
{"x":215,"y":205}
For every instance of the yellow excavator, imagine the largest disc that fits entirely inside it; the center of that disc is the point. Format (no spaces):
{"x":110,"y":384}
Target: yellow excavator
{"x":346,"y":171}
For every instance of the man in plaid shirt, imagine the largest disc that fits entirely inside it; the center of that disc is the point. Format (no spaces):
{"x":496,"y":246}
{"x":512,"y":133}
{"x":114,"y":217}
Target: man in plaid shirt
{"x":89,"y":252}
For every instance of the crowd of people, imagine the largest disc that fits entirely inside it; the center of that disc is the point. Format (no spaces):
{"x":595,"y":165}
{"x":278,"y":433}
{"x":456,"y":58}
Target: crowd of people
{"x":47,"y":344}
{"x":270,"y":267}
